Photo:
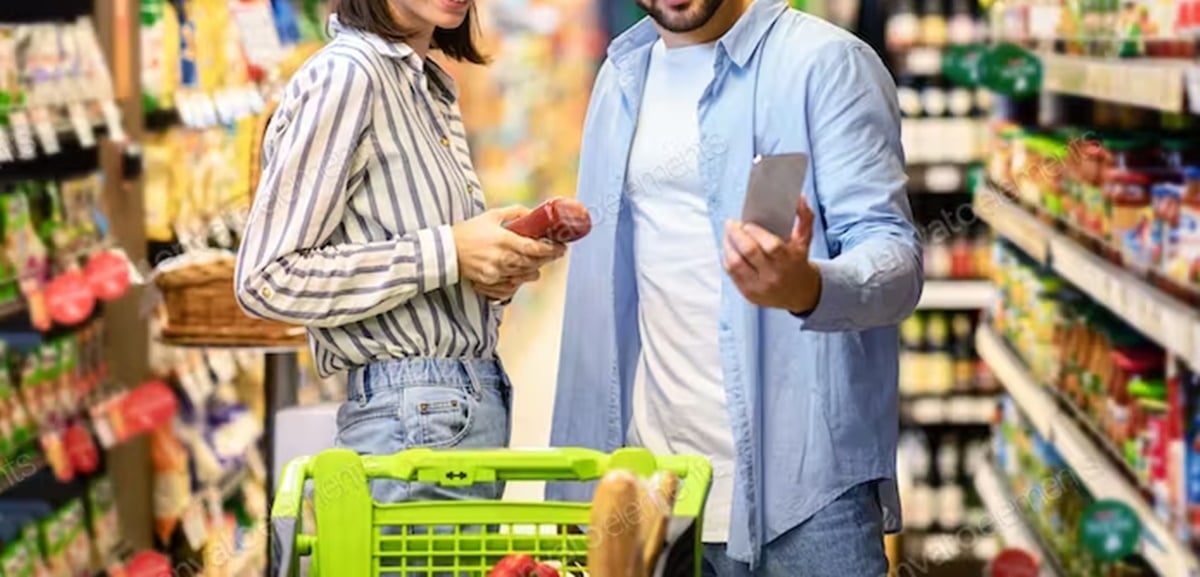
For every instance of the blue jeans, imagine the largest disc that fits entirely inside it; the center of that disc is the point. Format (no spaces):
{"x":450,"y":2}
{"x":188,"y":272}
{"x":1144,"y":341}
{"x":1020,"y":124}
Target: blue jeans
{"x":845,"y":539}
{"x":423,"y":402}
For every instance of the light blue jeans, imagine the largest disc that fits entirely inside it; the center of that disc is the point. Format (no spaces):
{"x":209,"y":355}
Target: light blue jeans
{"x":845,"y":539}
{"x":422,"y":402}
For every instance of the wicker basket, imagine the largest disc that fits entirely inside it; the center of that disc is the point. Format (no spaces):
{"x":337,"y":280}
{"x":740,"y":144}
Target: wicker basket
{"x":202,"y":309}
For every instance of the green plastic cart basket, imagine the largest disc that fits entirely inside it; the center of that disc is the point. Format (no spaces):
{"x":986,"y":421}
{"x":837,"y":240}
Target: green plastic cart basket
{"x":357,"y":537}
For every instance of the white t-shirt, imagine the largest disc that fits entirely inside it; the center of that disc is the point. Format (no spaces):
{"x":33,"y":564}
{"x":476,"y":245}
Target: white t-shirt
{"x":679,"y":395}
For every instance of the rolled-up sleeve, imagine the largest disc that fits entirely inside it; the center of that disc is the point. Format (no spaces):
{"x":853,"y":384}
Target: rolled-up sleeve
{"x":287,"y":270}
{"x":874,"y":276}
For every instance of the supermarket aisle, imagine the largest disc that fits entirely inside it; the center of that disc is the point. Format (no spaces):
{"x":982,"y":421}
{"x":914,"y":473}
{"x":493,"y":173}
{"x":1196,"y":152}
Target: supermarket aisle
{"x":529,"y":344}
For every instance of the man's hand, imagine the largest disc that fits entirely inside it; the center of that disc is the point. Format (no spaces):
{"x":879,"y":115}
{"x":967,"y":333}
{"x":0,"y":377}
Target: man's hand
{"x":771,"y":272}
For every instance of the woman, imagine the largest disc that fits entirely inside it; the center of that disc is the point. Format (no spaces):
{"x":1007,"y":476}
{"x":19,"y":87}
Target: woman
{"x":369,"y":228}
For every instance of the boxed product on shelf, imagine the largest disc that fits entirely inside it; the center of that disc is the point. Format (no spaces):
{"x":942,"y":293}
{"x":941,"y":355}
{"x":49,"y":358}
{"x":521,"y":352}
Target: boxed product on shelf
{"x":1137,"y":196}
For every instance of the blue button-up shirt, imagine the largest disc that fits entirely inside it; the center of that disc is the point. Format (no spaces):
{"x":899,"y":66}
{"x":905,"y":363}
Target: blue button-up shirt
{"x":812,"y":400}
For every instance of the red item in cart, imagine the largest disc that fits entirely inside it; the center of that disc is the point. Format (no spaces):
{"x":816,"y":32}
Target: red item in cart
{"x":521,"y":565}
{"x":558,"y":219}
{"x":514,"y":566}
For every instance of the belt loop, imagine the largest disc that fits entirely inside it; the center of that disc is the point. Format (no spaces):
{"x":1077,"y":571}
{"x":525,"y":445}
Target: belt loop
{"x":364,"y":382}
{"x":473,"y":376}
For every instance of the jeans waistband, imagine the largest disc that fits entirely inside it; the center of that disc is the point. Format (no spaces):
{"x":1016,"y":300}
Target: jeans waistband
{"x":367,"y":380}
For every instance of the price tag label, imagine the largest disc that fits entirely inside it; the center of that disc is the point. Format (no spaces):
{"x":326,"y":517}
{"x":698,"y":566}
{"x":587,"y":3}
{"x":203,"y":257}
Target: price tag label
{"x":43,"y":125}
{"x":6,"y":151}
{"x":82,"y":124}
{"x":112,"y":119}
{"x":23,"y":136}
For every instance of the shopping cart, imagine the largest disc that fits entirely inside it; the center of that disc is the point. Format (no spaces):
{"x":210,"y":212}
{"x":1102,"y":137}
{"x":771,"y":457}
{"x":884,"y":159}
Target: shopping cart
{"x":357,"y":537}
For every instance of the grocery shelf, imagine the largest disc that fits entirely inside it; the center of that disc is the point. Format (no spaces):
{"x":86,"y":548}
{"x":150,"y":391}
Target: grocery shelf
{"x":1158,"y":84}
{"x":1172,"y":324}
{"x":1035,"y":401}
{"x":967,"y":410}
{"x":1006,"y":518}
{"x":956,"y":295}
{"x":1092,"y":465}
{"x":1014,"y":223}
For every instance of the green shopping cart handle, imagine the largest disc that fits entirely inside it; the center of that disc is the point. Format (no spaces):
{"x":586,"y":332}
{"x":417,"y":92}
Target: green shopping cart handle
{"x":465,"y":468}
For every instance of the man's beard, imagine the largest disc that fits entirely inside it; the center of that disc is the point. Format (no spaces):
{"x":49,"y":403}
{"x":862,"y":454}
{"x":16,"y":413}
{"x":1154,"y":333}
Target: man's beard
{"x":694,"y":16}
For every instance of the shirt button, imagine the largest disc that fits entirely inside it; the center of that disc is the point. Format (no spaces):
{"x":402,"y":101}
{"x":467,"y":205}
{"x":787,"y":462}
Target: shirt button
{"x":267,"y":292}
{"x":445,"y":142}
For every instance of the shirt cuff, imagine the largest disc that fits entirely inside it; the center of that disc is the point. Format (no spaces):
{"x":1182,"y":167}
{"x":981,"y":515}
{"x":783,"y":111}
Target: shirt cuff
{"x":840,"y":294}
{"x":439,"y":258}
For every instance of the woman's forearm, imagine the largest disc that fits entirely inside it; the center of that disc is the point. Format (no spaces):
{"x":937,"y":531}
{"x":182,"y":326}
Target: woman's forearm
{"x":342,"y":284}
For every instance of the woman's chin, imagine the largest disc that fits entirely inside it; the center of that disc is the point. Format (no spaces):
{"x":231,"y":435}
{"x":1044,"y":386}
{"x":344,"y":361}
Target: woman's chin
{"x":452,"y":13}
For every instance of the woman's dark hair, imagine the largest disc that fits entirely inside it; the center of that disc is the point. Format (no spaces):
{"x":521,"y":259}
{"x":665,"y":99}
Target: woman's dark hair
{"x":375,"y":16}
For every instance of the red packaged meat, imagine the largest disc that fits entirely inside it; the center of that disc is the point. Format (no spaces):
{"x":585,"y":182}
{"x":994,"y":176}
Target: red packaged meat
{"x":558,"y":219}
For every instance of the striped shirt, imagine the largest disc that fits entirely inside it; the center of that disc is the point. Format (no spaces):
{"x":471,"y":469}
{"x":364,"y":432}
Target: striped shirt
{"x":365,"y":168}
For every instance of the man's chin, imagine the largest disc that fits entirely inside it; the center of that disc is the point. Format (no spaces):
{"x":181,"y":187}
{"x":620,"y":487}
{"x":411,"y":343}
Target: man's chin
{"x":679,"y":23}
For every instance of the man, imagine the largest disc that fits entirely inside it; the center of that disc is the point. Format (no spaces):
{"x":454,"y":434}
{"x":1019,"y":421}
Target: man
{"x":689,"y":332}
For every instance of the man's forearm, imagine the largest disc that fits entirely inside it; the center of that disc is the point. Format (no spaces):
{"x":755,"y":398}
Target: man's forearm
{"x":874,"y":284}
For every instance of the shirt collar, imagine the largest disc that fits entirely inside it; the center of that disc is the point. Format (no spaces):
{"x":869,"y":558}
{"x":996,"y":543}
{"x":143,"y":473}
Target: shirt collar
{"x":442,"y":82}
{"x":739,"y":42}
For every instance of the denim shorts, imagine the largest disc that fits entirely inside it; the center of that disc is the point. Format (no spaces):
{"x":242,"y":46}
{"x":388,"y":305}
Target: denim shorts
{"x":422,"y":402}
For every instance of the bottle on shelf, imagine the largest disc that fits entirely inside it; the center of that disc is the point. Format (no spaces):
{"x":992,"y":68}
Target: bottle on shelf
{"x":934,"y":29}
{"x":961,"y":29}
{"x":903,"y":27}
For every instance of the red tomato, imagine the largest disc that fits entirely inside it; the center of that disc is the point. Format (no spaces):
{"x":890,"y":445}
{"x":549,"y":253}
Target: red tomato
{"x":514,"y":566}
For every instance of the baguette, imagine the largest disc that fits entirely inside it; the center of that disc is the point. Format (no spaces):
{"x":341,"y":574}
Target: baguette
{"x":614,"y":544}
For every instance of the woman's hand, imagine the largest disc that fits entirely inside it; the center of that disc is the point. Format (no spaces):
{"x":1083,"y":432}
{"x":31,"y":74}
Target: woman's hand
{"x":506,"y":288}
{"x":489,"y":254}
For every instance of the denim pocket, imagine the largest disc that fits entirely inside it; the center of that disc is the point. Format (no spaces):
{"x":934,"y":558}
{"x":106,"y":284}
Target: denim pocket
{"x":437,"y":416}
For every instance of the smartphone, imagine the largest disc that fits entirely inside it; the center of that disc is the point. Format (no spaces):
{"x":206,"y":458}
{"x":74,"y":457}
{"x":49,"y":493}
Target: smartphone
{"x":773,"y":194}
{"x":559,"y":219}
